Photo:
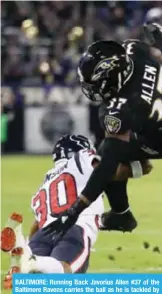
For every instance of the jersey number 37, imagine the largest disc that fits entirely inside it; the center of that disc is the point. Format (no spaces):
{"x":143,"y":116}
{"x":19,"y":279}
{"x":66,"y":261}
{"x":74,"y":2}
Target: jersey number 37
{"x":61,"y":195}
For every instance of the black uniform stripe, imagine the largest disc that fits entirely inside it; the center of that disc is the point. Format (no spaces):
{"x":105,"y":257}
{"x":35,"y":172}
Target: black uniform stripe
{"x":78,"y":164}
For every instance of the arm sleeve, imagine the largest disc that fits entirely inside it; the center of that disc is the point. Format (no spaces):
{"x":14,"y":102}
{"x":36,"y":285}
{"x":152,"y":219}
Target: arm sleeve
{"x":114,"y":151}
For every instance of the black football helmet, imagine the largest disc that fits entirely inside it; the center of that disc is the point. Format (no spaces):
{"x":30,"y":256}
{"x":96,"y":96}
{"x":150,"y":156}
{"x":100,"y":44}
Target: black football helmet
{"x":103,"y":69}
{"x":67,"y":145}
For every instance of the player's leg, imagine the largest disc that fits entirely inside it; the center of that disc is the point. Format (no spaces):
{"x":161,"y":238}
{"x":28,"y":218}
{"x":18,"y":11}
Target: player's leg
{"x":114,"y":190}
{"x":140,"y":149}
{"x":12,"y":241}
{"x":118,"y":198}
{"x":36,"y":256}
{"x":40,"y":244}
{"x":70,"y":255}
{"x":117,"y":195}
{"x":15,"y":257}
{"x":74,"y":250}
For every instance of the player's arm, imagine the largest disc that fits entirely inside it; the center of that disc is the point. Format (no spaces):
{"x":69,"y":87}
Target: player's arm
{"x":135,"y":169}
{"x":132,"y":170}
{"x":153,"y":35}
{"x":153,"y":38}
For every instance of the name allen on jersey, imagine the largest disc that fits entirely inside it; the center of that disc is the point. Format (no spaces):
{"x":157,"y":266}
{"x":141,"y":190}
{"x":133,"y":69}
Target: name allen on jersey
{"x":148,"y":85}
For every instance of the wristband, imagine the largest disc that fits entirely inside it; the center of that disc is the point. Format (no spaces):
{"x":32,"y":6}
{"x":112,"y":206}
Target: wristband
{"x":136,"y":169}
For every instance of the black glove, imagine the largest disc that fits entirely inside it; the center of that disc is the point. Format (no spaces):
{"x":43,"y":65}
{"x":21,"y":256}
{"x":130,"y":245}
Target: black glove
{"x":153,"y":35}
{"x":58,"y":228}
{"x":112,"y":221}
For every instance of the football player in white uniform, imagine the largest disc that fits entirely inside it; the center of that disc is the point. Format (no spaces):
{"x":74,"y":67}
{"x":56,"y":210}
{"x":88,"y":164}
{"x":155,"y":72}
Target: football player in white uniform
{"x":74,"y":157}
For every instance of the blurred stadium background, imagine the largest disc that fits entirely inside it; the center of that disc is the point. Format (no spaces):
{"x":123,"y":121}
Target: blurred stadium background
{"x":41,"y":100}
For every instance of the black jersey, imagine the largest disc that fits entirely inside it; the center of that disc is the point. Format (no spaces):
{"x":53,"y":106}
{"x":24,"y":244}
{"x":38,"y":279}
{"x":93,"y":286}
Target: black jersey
{"x":138,"y":106}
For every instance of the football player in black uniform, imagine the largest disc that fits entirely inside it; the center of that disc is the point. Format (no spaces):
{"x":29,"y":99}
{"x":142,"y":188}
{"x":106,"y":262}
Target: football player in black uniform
{"x":128,"y":81}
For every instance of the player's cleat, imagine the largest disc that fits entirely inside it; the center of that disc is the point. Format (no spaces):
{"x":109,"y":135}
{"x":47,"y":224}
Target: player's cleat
{"x":112,"y":221}
{"x":16,"y":255}
{"x":8,"y":234}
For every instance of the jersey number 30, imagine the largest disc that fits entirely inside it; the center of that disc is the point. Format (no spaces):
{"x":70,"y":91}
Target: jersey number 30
{"x":62,"y":194}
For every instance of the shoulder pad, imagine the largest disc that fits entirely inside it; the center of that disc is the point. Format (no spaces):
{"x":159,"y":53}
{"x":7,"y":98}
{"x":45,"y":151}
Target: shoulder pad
{"x":135,"y":46}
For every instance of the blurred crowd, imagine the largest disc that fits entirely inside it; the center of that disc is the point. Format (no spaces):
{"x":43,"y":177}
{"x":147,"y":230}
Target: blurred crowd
{"x":41,"y":45}
{"x":42,"y":40}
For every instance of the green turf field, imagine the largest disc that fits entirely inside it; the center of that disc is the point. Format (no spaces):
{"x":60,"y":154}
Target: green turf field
{"x":113,"y":252}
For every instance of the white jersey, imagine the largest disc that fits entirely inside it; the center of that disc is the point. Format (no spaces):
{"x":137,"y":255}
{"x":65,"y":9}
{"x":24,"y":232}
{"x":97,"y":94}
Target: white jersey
{"x":62,"y":186}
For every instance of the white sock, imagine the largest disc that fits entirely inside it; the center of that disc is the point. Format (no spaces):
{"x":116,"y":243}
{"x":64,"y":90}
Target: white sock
{"x":47,"y":265}
{"x":14,"y":261}
{"x":20,"y":240}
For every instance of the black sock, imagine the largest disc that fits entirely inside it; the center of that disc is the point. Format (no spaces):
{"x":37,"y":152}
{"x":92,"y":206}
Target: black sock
{"x":116,"y":193}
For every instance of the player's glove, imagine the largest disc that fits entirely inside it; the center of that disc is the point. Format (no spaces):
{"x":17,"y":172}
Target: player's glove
{"x":112,"y":221}
{"x":153,"y":35}
{"x":58,"y":228}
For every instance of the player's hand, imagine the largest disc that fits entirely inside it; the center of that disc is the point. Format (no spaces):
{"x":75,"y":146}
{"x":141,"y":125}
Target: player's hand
{"x":58,"y":228}
{"x":146,"y":167}
{"x":112,"y":221}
